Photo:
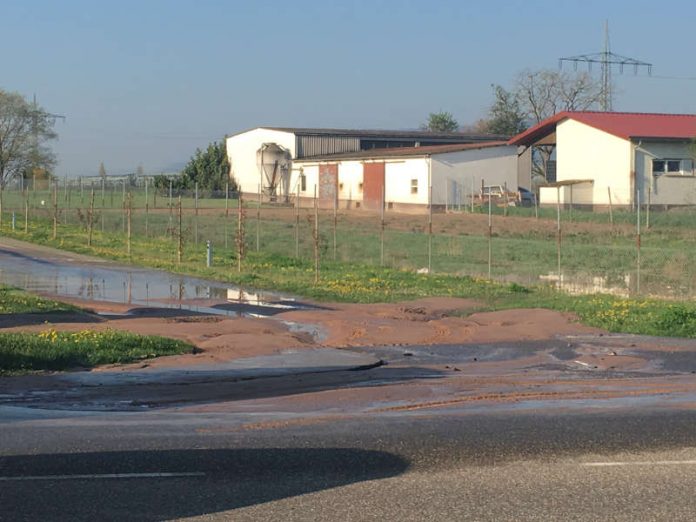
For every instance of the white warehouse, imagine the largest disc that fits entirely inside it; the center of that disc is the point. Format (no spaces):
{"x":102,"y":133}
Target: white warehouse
{"x":357,"y":168}
{"x":402,"y":177}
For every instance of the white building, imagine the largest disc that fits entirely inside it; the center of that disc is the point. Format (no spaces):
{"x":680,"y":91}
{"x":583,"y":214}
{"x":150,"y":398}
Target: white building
{"x":618,"y":158}
{"x":402,"y":176}
{"x":267,"y":158}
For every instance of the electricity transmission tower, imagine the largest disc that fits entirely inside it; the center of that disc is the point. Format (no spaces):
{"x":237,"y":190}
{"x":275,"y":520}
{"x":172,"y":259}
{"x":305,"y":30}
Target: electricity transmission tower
{"x":607,"y":60}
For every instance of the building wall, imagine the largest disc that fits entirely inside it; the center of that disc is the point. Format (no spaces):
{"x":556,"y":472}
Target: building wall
{"x":398,"y":178}
{"x":454,"y":173}
{"x":667,"y":189}
{"x":583,"y":152}
{"x":241,"y":152}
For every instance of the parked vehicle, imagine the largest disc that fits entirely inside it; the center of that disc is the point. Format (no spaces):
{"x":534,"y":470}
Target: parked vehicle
{"x":527,"y":198}
{"x":497,"y":195}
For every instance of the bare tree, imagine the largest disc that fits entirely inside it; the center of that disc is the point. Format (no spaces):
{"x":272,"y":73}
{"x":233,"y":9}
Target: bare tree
{"x":25,"y":128}
{"x":541,"y":94}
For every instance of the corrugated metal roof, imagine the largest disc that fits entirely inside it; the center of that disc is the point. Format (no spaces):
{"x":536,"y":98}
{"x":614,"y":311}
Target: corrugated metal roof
{"x":386,"y":134}
{"x":625,"y":125}
{"x":407,"y":151}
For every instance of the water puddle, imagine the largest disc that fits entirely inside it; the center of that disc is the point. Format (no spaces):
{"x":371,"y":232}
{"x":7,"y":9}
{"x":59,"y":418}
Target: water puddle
{"x":138,"y":287}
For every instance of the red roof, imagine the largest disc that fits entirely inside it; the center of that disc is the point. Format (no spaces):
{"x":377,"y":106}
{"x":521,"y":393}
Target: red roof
{"x":625,"y":125}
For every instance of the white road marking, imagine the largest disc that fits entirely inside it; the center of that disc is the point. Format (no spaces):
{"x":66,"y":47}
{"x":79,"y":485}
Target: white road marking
{"x":102,"y":476}
{"x":640,"y":463}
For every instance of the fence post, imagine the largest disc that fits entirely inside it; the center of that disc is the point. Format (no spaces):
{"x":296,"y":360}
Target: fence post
{"x":2,"y":190}
{"x":171,"y":208}
{"x":490,"y":230}
{"x":381,"y":230}
{"x":129,"y":211}
{"x":195,"y":210}
{"x":147,"y":208}
{"x":447,"y":181}
{"x":180,"y":241}
{"x":26,"y":212}
{"x":430,"y":228}
{"x":316,"y":237}
{"x":297,"y":223}
{"x":90,"y":218}
{"x":507,"y":203}
{"x":240,"y":234}
{"x":55,"y":210}
{"x":335,"y":223}
{"x":473,"y":188}
{"x":637,"y":243}
{"x":258,"y":222}
{"x":611,"y":209}
{"x":558,"y":234}
{"x":123,"y":207}
{"x":647,"y":208}
{"x":227,"y":199}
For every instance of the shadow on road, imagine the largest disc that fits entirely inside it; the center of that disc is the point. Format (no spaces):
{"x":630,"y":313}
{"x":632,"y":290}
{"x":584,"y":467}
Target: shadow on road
{"x":223,"y":480}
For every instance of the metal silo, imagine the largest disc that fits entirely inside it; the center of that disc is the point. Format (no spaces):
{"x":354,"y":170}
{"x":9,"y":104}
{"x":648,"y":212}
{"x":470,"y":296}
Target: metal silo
{"x":274,"y":164}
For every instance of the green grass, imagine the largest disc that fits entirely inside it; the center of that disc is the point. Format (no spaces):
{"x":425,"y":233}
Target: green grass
{"x":14,"y":301}
{"x":55,"y":351}
{"x":356,"y":277}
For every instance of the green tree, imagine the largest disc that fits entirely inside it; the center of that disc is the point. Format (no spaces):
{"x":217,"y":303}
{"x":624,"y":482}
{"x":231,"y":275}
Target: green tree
{"x":209,"y":168}
{"x":505,"y":115}
{"x":102,"y":171}
{"x":441,"y":122}
{"x":25,"y":129}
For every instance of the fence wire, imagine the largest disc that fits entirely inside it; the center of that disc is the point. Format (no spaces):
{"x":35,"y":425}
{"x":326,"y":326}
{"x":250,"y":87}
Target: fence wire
{"x":630,"y":253}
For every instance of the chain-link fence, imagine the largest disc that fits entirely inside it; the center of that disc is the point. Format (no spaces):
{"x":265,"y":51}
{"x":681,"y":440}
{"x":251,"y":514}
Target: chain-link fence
{"x":639,"y":252}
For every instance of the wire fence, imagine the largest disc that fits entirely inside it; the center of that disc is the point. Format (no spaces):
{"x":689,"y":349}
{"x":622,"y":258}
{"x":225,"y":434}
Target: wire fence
{"x":643,"y":251}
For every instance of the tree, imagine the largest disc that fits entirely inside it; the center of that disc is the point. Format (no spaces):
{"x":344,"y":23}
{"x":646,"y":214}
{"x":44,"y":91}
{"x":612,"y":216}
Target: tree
{"x":505,"y":116}
{"x":544,"y":93}
{"x":209,"y":168}
{"x":25,"y":128}
{"x":102,"y":171}
{"x":441,"y":122}
{"x":537,"y":95}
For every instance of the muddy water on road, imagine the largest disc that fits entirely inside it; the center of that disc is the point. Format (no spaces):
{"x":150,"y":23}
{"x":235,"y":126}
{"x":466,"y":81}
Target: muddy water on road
{"x":63,"y":277}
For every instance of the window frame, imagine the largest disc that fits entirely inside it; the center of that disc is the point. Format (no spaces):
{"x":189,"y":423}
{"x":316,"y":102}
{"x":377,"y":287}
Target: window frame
{"x":686,"y":167}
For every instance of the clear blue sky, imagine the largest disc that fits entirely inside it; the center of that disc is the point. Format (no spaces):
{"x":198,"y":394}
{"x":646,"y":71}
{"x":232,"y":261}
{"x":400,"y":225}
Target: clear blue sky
{"x":148,"y":81}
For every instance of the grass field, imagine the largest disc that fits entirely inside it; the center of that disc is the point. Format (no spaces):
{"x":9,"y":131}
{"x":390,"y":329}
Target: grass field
{"x":366,"y":282}
{"x":54,"y":351}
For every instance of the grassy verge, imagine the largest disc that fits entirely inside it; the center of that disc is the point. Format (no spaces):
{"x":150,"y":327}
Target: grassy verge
{"x":366,"y":283}
{"x":54,"y":351}
{"x":14,"y":301}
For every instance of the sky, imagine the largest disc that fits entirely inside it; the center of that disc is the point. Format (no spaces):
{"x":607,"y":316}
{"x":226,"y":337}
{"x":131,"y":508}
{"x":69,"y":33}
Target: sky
{"x":147,"y":82}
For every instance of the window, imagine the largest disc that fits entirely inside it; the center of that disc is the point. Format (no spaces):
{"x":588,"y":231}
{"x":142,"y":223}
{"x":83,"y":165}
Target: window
{"x":360,"y":187}
{"x":303,"y":183}
{"x":673,"y":167}
{"x":414,"y":186}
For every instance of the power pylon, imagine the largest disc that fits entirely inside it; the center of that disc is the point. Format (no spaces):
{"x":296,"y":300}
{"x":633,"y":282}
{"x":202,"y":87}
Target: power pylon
{"x":607,"y":60}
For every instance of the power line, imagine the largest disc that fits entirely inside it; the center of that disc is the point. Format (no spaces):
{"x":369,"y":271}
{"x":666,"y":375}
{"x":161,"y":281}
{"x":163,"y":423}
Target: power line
{"x":606,"y":59}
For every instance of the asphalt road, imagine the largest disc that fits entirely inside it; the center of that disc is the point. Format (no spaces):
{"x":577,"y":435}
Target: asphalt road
{"x":516,"y":466}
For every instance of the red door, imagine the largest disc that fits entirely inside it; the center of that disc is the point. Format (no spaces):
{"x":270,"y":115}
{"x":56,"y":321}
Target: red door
{"x":373,"y":185}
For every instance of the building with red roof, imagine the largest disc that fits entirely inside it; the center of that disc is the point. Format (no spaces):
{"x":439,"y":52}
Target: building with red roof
{"x":618,"y":157}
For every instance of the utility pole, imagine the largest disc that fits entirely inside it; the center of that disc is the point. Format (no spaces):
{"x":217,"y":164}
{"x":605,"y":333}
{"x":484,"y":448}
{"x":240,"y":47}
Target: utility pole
{"x":606,"y":59}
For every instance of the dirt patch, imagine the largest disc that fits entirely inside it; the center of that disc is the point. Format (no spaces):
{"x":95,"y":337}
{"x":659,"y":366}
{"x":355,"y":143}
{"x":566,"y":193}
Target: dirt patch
{"x":428,"y":321}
